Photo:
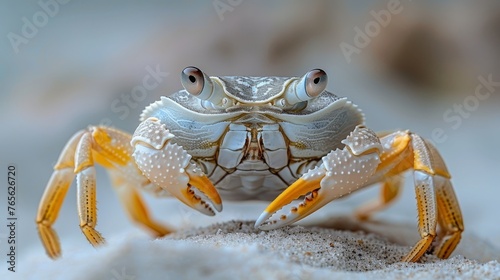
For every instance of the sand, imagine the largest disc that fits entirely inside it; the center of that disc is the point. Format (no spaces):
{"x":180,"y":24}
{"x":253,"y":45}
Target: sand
{"x":235,"y":250}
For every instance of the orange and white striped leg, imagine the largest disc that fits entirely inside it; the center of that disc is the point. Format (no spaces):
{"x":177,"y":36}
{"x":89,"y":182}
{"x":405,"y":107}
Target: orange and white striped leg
{"x":54,"y":195}
{"x":86,"y":190}
{"x":106,"y":146}
{"x":435,"y":200}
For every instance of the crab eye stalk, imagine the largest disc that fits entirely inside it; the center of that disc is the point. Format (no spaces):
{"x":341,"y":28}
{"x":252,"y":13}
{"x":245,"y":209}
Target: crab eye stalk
{"x":198,"y":84}
{"x":312,"y":84}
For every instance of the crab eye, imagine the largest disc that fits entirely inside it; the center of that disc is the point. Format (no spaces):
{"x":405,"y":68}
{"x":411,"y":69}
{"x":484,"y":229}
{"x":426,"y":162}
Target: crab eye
{"x":206,"y":88}
{"x":312,"y":84}
{"x":193,"y":80}
{"x":315,"y":82}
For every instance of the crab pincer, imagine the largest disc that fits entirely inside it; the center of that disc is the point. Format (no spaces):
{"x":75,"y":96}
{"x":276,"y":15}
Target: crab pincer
{"x":168,"y":166}
{"x":341,"y":172}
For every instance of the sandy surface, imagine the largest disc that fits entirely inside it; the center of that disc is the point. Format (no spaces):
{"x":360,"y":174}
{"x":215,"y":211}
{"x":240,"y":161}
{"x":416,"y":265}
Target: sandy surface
{"x":235,"y":250}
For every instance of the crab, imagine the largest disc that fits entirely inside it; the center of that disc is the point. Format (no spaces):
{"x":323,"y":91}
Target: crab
{"x":280,"y":139}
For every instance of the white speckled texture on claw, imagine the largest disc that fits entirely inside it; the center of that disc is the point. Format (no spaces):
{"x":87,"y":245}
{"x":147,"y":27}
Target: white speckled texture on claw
{"x":362,"y":139}
{"x":163,"y":163}
{"x":165,"y":167}
{"x":346,"y":172}
{"x":151,"y":132}
{"x":342,"y":172}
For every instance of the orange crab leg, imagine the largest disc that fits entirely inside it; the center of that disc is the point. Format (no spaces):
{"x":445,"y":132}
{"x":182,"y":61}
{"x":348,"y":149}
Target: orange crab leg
{"x":112,"y":149}
{"x":53,"y":197}
{"x":388,"y":193}
{"x":135,"y":206}
{"x":435,"y":200}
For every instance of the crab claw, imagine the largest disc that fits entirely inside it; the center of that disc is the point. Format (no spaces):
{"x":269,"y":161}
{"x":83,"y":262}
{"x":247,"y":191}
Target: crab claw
{"x":169,"y":167}
{"x":340,"y":173}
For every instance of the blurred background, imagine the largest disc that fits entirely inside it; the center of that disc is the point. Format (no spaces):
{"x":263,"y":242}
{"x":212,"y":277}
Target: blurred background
{"x":429,"y":66}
